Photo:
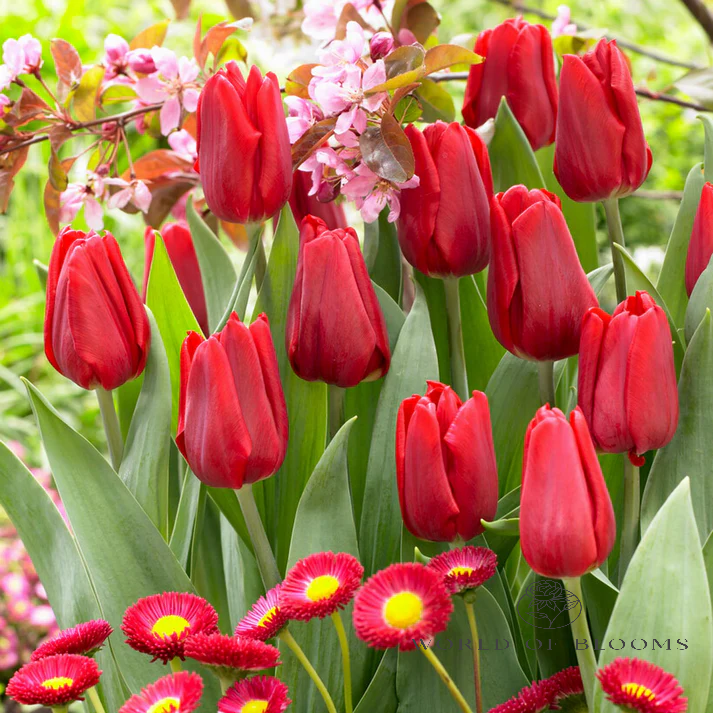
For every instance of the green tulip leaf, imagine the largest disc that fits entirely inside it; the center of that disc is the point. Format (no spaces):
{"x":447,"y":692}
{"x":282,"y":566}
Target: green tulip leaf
{"x":242,"y":576}
{"x":436,"y":300}
{"x":509,"y":526}
{"x":380,"y":696}
{"x":700,"y":301}
{"x":183,"y":527}
{"x":383,"y":255}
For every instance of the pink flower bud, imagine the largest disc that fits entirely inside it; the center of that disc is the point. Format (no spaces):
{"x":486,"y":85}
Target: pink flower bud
{"x":140,"y":61}
{"x":381,"y":44}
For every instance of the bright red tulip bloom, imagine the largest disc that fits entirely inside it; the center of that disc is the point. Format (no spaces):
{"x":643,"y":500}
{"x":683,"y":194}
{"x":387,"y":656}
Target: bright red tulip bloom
{"x":244,"y":154}
{"x":182,"y":254}
{"x":537,"y":289}
{"x":303,"y":204}
{"x":445,"y":464}
{"x":700,"y":248}
{"x":627,"y":377}
{"x":96,"y":329}
{"x":444,"y":224}
{"x":567,"y":525}
{"x":600,"y":149}
{"x":232,"y":418}
{"x":519,"y":65}
{"x":335,"y":327}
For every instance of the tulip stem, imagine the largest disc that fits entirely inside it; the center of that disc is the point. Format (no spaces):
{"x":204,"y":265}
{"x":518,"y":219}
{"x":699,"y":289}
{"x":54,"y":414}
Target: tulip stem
{"x":546,"y":378}
{"x":111,"y":426}
{"x":296,"y":649}
{"x":580,"y":630}
{"x":459,"y":375}
{"x":475,"y":639}
{"x":616,"y":236}
{"x":445,"y":677}
{"x":344,"y":645}
{"x":96,"y":701}
{"x":254,"y":231}
{"x":336,"y":395}
{"x":630,"y":527}
{"x":263,"y":552}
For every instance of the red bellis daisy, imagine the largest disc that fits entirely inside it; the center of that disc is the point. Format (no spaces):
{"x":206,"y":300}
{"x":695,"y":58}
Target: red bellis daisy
{"x":465,"y":568}
{"x":176,"y":693}
{"x":85,"y":638}
{"x":262,"y":694}
{"x":160,"y":624}
{"x":265,"y":620}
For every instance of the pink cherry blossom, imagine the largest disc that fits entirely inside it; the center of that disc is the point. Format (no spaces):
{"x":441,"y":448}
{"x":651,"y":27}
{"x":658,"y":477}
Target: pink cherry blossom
{"x":563,"y":25}
{"x":183,"y":144}
{"x":135,"y":192}
{"x":302,"y":114}
{"x":116,"y":50}
{"x":21,"y":56}
{"x":86,"y":195}
{"x":322,"y":16}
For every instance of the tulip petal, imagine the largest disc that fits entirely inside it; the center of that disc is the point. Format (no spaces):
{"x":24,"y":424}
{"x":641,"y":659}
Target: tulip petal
{"x":594,"y":327}
{"x":700,"y":247}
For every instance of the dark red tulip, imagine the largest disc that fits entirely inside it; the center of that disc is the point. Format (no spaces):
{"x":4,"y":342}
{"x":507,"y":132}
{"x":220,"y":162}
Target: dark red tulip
{"x":303,"y":204}
{"x":600,"y":149}
{"x":179,"y":246}
{"x":232,"y":419}
{"x":445,"y":464}
{"x":96,"y":329}
{"x":444,"y":225}
{"x":519,"y":65}
{"x":244,"y":154}
{"x":537,"y":290}
{"x":567,"y":525}
{"x":335,"y":328}
{"x":627,"y":377}
{"x":700,"y":248}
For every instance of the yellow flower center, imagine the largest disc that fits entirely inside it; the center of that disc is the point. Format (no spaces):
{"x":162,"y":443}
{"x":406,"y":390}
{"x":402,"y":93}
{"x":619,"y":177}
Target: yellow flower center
{"x":267,"y":616}
{"x":170,"y":624}
{"x":57,"y":682}
{"x":322,"y":587}
{"x":638,"y":691}
{"x":403,"y":610}
{"x":165,"y":705}
{"x":460,"y":570}
{"x":254,"y":707}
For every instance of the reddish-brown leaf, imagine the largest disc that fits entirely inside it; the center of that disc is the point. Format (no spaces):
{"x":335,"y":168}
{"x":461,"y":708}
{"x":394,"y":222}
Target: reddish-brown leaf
{"x":349,"y":14}
{"x":163,"y":198}
{"x":297,"y":84}
{"x":311,"y":140}
{"x":237,"y":234}
{"x":158,"y":163}
{"x":51,"y":199}
{"x":197,"y":37}
{"x":239,"y":8}
{"x":213,"y":41}
{"x":29,"y":107}
{"x":181,"y":7}
{"x":67,"y":62}
{"x":154,"y":35}
{"x":422,"y":20}
{"x":387,"y":151}
{"x":10,"y":164}
{"x":58,"y":134}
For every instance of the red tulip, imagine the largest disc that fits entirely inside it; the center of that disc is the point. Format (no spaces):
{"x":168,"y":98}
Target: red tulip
{"x":243,"y":148}
{"x":600,"y":149}
{"x":537,"y":290}
{"x":700,"y":248}
{"x":567,"y":525}
{"x":444,"y":223}
{"x":519,"y":65}
{"x":335,"y":328}
{"x":445,"y":464}
{"x":627,"y":378}
{"x":232,"y":419}
{"x":179,"y":246}
{"x":303,"y":204}
{"x":96,"y":329}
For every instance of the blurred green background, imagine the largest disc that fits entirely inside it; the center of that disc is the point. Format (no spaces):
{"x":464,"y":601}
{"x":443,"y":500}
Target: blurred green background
{"x":675,"y":136}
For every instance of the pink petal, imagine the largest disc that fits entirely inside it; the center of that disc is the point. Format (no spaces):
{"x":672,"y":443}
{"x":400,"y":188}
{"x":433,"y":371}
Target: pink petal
{"x":170,"y":116}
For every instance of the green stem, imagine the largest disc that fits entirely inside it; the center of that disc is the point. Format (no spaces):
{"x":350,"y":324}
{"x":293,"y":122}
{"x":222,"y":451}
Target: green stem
{"x":459,"y":375}
{"x":111,"y":426}
{"x":616,"y":236}
{"x":580,"y":630}
{"x":546,"y":377}
{"x":630,"y":527}
{"x":470,"y":611}
{"x":175,"y":664}
{"x":296,"y":649}
{"x":60,"y":709}
{"x":263,"y":552}
{"x":337,"y":396}
{"x":344,"y":645}
{"x":225,"y":684}
{"x":96,"y":701}
{"x":445,"y":677}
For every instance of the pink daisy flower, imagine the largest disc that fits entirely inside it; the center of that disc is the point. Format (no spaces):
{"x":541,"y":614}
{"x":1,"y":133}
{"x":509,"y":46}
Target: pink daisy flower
{"x":85,"y":638}
{"x":262,"y":694}
{"x":176,"y":693}
{"x":568,"y":682}
{"x":265,"y":620}
{"x":400,"y":606}
{"x":465,"y":568}
{"x":319,"y":585}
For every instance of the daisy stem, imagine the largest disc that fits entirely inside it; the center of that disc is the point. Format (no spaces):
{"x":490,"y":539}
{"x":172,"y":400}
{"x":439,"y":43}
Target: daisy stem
{"x":546,"y":379}
{"x":175,"y":664}
{"x":60,"y":709}
{"x":111,"y":426}
{"x":96,"y":701}
{"x":616,"y":237}
{"x":470,"y":611}
{"x":296,"y":649}
{"x":459,"y":376}
{"x":580,"y":630}
{"x":445,"y":677}
{"x":263,"y":552}
{"x":344,"y":645}
{"x":630,"y":528}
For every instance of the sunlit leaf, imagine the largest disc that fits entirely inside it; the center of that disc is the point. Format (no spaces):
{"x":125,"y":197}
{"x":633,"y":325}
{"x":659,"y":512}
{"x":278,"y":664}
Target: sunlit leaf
{"x":84,"y":99}
{"x":298,"y":80}
{"x":444,"y":56}
{"x":436,"y":102}
{"x":154,"y":35}
{"x":404,"y":66}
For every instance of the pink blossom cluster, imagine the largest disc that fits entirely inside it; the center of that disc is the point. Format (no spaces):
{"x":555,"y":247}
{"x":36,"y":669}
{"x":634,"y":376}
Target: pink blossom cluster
{"x":322,"y":16}
{"x":563,"y":25}
{"x":19,"y":56}
{"x":339,"y":88}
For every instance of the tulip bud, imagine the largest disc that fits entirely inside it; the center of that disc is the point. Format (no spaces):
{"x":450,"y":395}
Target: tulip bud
{"x":700,"y":248}
{"x":537,"y":290}
{"x":380,"y":45}
{"x":96,"y":329}
{"x":567,"y":525}
{"x":600,"y":149}
{"x":445,"y":464}
{"x":303,"y":204}
{"x":232,"y":419}
{"x":179,"y":246}
{"x":444,"y":224}
{"x":244,"y":154}
{"x":335,"y":328}
{"x":519,"y":65}
{"x":627,"y":378}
